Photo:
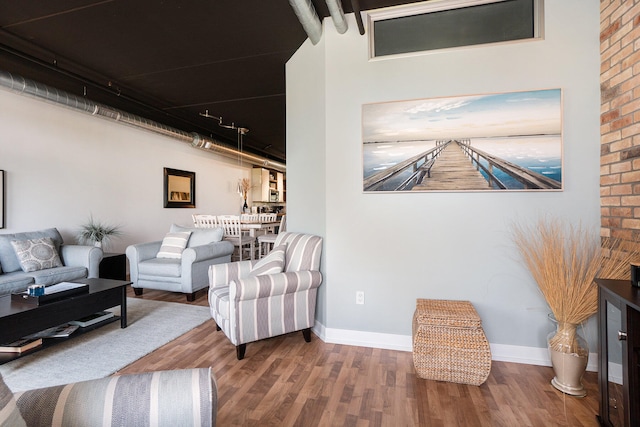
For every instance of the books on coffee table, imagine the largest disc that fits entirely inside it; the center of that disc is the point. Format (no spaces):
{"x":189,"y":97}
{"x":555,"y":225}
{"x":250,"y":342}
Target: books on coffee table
{"x":60,"y":331}
{"x":92,"y":319}
{"x":21,"y":345}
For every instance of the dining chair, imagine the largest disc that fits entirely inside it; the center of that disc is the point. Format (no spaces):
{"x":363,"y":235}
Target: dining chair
{"x":233,"y":233}
{"x":204,"y":221}
{"x":249,"y":218}
{"x":266,"y":218}
{"x":266,"y":241}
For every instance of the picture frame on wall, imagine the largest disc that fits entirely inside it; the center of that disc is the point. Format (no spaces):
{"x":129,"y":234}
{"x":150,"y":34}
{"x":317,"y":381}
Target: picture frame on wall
{"x":489,"y":142}
{"x":179,"y":188}
{"x":2,"y":199}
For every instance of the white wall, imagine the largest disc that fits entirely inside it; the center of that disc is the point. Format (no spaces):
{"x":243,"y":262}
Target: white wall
{"x":61,"y":166}
{"x":399,"y":247}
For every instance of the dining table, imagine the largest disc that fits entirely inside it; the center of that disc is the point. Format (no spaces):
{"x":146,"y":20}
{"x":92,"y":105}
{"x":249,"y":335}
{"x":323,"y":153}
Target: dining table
{"x":251,"y":227}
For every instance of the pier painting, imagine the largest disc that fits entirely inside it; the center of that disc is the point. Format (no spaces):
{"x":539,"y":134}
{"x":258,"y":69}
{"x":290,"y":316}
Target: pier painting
{"x":493,"y":142}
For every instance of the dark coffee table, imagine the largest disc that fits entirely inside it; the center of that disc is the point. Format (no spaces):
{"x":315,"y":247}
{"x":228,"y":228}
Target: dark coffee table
{"x":20,"y":319}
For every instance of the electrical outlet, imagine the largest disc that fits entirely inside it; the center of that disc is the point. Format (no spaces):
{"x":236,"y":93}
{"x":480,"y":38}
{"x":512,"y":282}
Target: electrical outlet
{"x":359,"y":297}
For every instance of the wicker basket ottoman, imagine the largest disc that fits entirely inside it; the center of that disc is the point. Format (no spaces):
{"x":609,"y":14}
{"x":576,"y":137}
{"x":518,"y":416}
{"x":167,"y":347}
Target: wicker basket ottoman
{"x":449,"y":343}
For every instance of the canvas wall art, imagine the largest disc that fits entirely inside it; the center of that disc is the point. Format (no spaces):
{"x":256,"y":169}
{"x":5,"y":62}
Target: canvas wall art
{"x":490,"y":142}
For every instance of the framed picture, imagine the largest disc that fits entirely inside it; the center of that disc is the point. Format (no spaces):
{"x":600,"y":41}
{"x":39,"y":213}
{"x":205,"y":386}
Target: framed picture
{"x":2,"y":199}
{"x":491,"y":142}
{"x":179,"y":189}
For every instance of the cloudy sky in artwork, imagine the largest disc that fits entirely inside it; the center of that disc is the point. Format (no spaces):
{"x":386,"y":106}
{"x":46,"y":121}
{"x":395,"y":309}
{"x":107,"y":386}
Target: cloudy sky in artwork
{"x":508,"y":114}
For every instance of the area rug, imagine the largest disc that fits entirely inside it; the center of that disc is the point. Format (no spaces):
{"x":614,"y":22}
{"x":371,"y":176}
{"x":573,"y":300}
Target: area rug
{"x":105,"y":350}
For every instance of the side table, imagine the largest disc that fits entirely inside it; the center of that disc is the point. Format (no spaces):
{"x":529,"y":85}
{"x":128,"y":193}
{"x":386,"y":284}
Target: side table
{"x":113,"y":266}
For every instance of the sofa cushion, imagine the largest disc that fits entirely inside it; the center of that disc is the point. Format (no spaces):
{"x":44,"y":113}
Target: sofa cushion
{"x":200,"y":236}
{"x":173,"y":244}
{"x":271,"y":264}
{"x":52,"y":276}
{"x":9,"y":413}
{"x":17,"y":281}
{"x":160,"y":267}
{"x":8,"y":257}
{"x":36,"y":254}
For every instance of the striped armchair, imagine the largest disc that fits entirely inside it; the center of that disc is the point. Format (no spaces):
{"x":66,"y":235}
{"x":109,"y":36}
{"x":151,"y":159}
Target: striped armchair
{"x":253,"y":300}
{"x":163,"y":398}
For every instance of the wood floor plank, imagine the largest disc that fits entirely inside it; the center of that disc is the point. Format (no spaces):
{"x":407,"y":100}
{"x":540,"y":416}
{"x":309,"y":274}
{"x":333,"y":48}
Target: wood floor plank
{"x":284,"y":381}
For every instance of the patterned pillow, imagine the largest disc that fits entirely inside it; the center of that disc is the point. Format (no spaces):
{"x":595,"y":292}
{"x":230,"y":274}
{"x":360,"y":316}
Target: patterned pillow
{"x":173,"y":244}
{"x":36,"y":254}
{"x":9,"y":413}
{"x":270,"y":264}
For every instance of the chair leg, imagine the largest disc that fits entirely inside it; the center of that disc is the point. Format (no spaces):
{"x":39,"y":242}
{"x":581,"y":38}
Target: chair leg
{"x":240,"y":349}
{"x":191,"y":297}
{"x":137,"y":291}
{"x":306,"y":333}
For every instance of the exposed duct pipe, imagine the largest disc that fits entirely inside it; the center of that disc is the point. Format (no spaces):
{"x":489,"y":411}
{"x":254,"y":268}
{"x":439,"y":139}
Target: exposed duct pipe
{"x":337,"y":14}
{"x":355,"y":4}
{"x":308,"y":17}
{"x":28,"y":87}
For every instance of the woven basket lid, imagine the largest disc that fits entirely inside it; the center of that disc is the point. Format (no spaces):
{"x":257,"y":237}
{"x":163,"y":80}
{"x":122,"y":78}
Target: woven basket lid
{"x":447,"y":313}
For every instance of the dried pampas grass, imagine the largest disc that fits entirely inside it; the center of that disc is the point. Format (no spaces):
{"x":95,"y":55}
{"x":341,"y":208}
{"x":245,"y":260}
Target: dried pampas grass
{"x":565,"y":259}
{"x":246,"y":186}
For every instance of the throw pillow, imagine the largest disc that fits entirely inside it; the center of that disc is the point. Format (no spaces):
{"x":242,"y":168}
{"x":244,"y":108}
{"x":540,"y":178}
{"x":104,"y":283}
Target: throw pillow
{"x":173,"y":244}
{"x":200,"y":236}
{"x":36,"y":254}
{"x":8,"y":257}
{"x":9,"y":413}
{"x":271,"y":264}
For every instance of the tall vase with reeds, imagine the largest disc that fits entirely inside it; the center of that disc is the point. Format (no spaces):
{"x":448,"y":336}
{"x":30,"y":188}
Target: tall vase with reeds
{"x":245,"y":185}
{"x":564,"y":260}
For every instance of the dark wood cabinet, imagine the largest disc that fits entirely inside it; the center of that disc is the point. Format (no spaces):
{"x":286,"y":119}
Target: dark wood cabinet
{"x":619,"y":352}
{"x":113,"y":266}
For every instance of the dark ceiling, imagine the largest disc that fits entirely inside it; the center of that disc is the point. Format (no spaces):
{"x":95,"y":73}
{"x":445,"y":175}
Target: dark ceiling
{"x":167,"y":61}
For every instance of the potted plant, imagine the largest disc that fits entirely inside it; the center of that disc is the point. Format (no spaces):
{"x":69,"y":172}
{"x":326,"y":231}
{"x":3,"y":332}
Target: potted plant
{"x":97,"y":233}
{"x":564,"y":260}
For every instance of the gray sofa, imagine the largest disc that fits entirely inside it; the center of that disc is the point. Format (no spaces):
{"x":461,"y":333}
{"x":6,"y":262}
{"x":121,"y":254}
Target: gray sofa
{"x":78,"y":262}
{"x":186,"y":274}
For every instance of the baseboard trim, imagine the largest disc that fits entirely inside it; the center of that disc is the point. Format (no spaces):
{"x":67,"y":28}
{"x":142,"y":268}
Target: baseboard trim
{"x":499,"y":352}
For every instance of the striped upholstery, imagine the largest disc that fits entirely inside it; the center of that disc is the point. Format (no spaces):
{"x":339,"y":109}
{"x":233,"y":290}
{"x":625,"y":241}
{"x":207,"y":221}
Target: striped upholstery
{"x":222,"y":274}
{"x":9,"y":413}
{"x":249,"y":308}
{"x":166,"y":398}
{"x":303,"y":250}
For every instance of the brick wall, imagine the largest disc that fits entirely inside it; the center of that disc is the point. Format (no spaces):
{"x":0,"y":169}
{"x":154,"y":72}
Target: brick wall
{"x":620,"y":118}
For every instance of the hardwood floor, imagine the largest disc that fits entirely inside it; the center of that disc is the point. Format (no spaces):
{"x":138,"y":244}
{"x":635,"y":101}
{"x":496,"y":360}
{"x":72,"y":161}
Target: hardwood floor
{"x":284,"y":381}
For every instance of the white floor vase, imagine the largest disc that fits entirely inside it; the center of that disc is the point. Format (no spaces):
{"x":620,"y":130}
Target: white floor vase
{"x":569,"y":357}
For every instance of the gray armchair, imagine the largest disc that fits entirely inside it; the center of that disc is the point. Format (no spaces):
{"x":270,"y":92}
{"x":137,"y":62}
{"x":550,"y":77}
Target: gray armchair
{"x":163,"y":398}
{"x":186,"y":274}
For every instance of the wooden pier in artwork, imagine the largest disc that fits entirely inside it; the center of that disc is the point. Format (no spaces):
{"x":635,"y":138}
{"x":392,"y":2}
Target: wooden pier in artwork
{"x":455,"y":165}
{"x":454,"y":171}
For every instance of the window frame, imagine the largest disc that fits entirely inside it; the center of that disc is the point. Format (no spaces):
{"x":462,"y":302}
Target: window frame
{"x":437,"y":6}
